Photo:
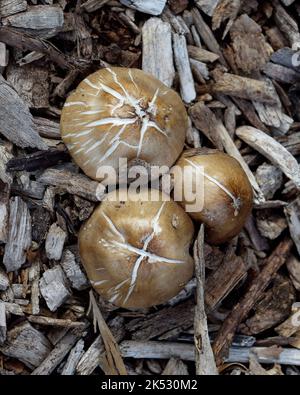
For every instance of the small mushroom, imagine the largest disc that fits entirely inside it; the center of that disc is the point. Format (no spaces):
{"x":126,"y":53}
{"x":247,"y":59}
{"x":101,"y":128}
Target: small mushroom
{"x":123,"y":113}
{"x":136,"y":253}
{"x":227,"y":192}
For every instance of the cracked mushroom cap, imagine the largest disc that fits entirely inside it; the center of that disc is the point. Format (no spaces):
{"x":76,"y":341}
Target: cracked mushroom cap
{"x":227,"y":197}
{"x":136,"y":253}
{"x":123,"y":113}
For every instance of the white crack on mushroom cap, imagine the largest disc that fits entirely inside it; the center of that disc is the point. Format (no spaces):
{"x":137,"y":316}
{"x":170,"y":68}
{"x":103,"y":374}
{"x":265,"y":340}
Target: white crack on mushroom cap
{"x":134,"y":254}
{"x":123,"y":113}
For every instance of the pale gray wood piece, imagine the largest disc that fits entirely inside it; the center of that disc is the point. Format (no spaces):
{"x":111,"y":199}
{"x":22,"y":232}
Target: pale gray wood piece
{"x":272,"y":226}
{"x":31,"y":83}
{"x":4,"y":55}
{"x":272,"y":150}
{"x":26,"y":344}
{"x":207,"y":6}
{"x":73,"y":271}
{"x":29,"y":58}
{"x":90,"y":359}
{"x":187,"y":84}
{"x":292,"y":212}
{"x":152,"y":7}
{"x":177,"y":22}
{"x":33,"y":189}
{"x":19,"y":235}
{"x":246,"y":88}
{"x":43,"y":20}
{"x":196,"y":37}
{"x":4,"y":282}
{"x":73,"y":183}
{"x":273,"y":115}
{"x":34,"y":278}
{"x":293,"y":266}
{"x":55,"y":241}
{"x":287,"y":25}
{"x":5,"y":156}
{"x":166,"y":350}
{"x":157,"y":45}
{"x":56,"y":356}
{"x":4,"y":200}
{"x":204,"y":357}
{"x":14,"y":308}
{"x":287,"y":2}
{"x":47,"y":128}
{"x":16,"y":121}
{"x":175,"y":367}
{"x":286,"y":57}
{"x":10,"y":7}
{"x":73,"y":359}
{"x":18,"y":290}
{"x":3,"y":327}
{"x":199,"y":68}
{"x":54,"y":288}
{"x":202,"y":55}
{"x":184,"y":294}
{"x":281,"y":73}
{"x":93,"y":5}
{"x":207,"y":35}
{"x":269,"y":178}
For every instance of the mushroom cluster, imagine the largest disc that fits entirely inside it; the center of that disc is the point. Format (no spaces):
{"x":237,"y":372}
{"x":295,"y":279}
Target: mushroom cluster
{"x":136,"y":252}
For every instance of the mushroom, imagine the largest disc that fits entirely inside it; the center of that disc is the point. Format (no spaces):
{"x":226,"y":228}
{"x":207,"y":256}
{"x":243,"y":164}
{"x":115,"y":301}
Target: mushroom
{"x":123,"y":113}
{"x":227,"y":192}
{"x":136,"y":252}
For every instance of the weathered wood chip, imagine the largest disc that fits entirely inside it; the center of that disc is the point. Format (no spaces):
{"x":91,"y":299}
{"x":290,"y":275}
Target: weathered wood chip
{"x":226,"y":9}
{"x":73,"y":271}
{"x":245,"y":88}
{"x":3,"y":327}
{"x":152,"y":7}
{"x":272,"y":150}
{"x":19,"y":235}
{"x":10,"y":7}
{"x":207,"y":6}
{"x":205,"y":362}
{"x":43,"y":20}
{"x":73,"y":359}
{"x":251,"y":51}
{"x":90,"y":359}
{"x":186,"y":352}
{"x":293,"y":266}
{"x":31,"y":83}
{"x":26,"y":344}
{"x":175,"y":367}
{"x":157,"y":45}
{"x":16,"y":121}
{"x":292,"y":212}
{"x":56,"y":356}
{"x":54,"y":288}
{"x":55,"y":240}
{"x":292,"y":325}
{"x":73,"y":183}
{"x":187,"y":85}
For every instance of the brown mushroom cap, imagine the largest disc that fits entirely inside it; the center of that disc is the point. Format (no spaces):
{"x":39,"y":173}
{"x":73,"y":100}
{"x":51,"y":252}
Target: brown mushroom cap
{"x":227,"y":196}
{"x":123,"y":113}
{"x":136,"y":253}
